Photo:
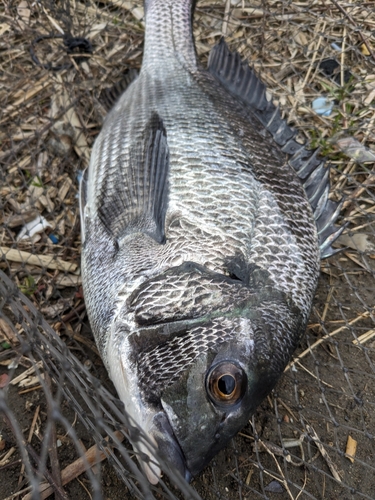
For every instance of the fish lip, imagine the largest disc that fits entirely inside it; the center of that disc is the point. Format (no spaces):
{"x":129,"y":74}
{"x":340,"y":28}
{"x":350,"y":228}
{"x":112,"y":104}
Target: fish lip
{"x":168,"y":445}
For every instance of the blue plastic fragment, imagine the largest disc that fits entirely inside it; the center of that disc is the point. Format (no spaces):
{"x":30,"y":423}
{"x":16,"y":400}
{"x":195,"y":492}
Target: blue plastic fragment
{"x":53,"y":238}
{"x":79,"y":175}
{"x":322,"y":106}
{"x":336,"y":46}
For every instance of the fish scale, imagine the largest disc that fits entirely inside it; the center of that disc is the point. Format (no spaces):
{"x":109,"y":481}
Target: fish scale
{"x":200,"y":253}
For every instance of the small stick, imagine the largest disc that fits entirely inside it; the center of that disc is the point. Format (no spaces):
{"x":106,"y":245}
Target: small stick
{"x":226,"y":18}
{"x":31,"y":432}
{"x":8,"y":454}
{"x":31,"y":389}
{"x":10,"y":464}
{"x":75,"y":469}
{"x":73,"y":314}
{"x":26,"y":373}
{"x":329,"y":335}
{"x":325,"y":455}
{"x":52,"y":449}
{"x":48,"y":261}
{"x":365,"y":337}
{"x":16,"y":495}
{"x":60,"y":493}
{"x":312,"y":375}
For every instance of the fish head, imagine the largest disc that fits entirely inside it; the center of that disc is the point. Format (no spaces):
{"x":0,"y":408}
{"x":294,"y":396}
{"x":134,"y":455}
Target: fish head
{"x":210,"y":380}
{"x":214,"y":397}
{"x":206,"y":350}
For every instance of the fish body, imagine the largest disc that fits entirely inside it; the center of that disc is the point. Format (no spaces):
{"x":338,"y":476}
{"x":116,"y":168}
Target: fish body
{"x":201,"y":243}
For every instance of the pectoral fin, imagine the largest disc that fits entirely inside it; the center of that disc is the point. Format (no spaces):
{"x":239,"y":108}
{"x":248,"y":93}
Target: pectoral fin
{"x":135,"y":197}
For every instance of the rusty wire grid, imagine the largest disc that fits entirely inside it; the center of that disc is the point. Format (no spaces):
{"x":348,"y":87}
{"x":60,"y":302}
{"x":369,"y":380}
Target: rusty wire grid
{"x":61,"y":424}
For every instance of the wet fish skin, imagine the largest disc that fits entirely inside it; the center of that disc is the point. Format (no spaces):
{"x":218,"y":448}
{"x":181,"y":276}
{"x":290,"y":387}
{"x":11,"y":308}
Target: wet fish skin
{"x":200,"y":248}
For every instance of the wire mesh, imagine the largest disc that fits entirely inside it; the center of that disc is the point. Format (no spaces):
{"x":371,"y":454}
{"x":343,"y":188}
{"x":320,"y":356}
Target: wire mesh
{"x":61,"y":423}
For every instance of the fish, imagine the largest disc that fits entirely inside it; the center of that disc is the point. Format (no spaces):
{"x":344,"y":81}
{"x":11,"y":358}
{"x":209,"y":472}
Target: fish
{"x":204,"y":222}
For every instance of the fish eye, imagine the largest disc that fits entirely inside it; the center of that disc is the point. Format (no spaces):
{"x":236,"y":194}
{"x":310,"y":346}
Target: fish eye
{"x":226,"y":384}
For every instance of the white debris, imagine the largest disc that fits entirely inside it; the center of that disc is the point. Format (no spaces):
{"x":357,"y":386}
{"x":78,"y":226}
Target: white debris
{"x":37,"y":225}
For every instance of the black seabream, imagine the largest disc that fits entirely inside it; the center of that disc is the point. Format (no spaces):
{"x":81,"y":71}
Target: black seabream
{"x":203,"y":225}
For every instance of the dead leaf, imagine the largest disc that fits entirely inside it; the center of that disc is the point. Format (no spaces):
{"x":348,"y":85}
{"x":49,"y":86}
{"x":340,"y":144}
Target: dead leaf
{"x":4,"y":380}
{"x":357,"y":241}
{"x":24,"y":14}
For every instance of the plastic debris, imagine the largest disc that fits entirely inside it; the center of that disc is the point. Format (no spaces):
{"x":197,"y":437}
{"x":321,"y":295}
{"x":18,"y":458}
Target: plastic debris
{"x":336,"y":46}
{"x":274,"y":487}
{"x":53,"y":238}
{"x":322,"y":106}
{"x":355,"y":150}
{"x":79,"y":175}
{"x":37,"y":225}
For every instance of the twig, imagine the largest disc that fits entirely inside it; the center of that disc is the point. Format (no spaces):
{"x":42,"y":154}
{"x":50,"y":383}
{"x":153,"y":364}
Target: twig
{"x":93,"y":457}
{"x":73,"y":314}
{"x":324,"y":453}
{"x":52,"y":449}
{"x":31,"y":432}
{"x":60,"y":493}
{"x":365,"y":337}
{"x":8,"y":454}
{"x":48,"y":261}
{"x":226,"y":17}
{"x":329,"y":335}
{"x":26,"y":373}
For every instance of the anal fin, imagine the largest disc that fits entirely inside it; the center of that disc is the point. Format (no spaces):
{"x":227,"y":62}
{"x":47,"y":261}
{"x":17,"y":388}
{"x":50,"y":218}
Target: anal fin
{"x":110,"y":95}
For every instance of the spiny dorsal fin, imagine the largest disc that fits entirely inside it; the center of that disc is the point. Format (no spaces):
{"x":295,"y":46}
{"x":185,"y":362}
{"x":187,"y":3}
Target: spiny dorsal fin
{"x":241,"y":81}
{"x":137,"y":198}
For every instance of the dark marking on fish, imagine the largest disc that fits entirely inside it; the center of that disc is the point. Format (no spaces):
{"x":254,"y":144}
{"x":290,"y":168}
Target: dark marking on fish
{"x":208,"y":292}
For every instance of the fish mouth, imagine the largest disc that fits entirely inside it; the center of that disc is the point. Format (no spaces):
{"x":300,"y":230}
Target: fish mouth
{"x":168,"y":446}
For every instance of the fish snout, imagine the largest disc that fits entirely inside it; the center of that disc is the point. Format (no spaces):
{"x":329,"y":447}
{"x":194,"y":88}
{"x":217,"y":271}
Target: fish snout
{"x":168,"y":446}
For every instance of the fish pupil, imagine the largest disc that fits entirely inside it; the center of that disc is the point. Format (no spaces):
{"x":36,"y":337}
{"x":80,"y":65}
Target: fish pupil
{"x":226,"y":384}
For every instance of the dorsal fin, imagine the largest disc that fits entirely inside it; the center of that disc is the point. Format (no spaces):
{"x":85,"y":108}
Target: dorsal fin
{"x":137,"y":198}
{"x":241,"y":81}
